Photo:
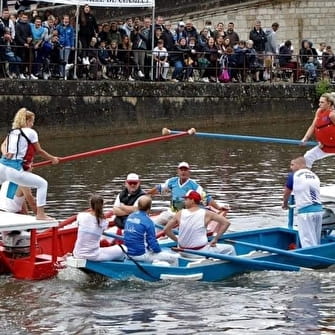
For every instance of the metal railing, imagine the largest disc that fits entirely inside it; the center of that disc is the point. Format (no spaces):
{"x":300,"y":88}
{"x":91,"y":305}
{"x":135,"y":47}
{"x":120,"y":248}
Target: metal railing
{"x":46,"y":62}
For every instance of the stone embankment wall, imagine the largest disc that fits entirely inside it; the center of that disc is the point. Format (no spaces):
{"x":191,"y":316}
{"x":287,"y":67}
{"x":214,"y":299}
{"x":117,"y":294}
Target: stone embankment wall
{"x":75,"y":107}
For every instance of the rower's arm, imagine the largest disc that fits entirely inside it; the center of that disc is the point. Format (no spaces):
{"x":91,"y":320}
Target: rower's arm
{"x":174,"y":222}
{"x":223,"y":225}
{"x":286,"y":196}
{"x":215,"y":205}
{"x":152,"y":191}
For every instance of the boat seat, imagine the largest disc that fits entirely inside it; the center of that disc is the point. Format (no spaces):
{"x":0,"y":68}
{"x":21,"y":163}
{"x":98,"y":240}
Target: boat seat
{"x":202,"y":261}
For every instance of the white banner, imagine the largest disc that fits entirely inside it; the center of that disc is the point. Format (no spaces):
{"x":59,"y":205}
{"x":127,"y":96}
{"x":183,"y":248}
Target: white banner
{"x":107,"y":3}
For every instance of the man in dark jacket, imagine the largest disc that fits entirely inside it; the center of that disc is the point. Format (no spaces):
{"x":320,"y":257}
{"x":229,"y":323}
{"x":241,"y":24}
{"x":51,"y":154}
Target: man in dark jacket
{"x":258,"y":36}
{"x":126,"y":201}
{"x":23,"y":39}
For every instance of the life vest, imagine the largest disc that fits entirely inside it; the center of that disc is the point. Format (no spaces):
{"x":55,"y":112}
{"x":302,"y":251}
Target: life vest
{"x":129,"y":200}
{"x":30,"y":153}
{"x":325,"y":130}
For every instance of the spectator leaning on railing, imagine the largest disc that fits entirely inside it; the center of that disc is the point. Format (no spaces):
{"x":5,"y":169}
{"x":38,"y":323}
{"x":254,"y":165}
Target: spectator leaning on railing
{"x":7,"y":51}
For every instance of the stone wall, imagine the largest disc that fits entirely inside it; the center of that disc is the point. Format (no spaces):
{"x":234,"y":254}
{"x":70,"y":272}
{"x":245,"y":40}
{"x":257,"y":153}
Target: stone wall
{"x":73,"y":107}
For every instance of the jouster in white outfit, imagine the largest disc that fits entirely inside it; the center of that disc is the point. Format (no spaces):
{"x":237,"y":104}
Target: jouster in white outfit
{"x":11,"y":169}
{"x":87,"y":245}
{"x":193,"y":233}
{"x":8,"y":203}
{"x":306,"y":188}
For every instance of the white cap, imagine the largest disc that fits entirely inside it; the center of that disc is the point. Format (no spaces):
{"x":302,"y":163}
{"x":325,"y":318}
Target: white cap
{"x":181,"y":23}
{"x":183,"y":165}
{"x":133,"y":177}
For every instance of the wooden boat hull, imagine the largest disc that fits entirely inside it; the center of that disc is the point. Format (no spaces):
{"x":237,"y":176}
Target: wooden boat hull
{"x":57,"y":246}
{"x":216,"y":270}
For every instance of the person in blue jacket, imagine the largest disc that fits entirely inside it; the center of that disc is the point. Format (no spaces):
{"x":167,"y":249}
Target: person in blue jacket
{"x":140,"y":237}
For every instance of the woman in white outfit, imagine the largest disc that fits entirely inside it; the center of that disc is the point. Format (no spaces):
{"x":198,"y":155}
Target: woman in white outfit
{"x":91,"y":225}
{"x":21,"y":142}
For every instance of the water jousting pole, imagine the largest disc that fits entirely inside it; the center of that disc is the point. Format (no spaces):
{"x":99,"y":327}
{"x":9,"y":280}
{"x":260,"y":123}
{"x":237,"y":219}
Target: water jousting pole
{"x":245,"y":138}
{"x":118,"y":147}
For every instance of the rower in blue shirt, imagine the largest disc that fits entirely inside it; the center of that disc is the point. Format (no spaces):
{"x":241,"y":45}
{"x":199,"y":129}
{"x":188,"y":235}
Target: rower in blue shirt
{"x":179,"y":186}
{"x":140,"y":237}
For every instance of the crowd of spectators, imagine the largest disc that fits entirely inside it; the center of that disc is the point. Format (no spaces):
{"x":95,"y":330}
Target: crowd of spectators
{"x":43,"y":47}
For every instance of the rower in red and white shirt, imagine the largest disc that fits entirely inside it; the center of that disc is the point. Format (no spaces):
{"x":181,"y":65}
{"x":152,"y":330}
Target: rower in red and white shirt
{"x":193,"y":222}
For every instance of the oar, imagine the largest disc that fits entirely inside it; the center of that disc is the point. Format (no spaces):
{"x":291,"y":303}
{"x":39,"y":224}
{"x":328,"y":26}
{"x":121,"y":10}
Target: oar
{"x":251,"y":264}
{"x":247,"y":138}
{"x":322,"y":260}
{"x":117,"y":147}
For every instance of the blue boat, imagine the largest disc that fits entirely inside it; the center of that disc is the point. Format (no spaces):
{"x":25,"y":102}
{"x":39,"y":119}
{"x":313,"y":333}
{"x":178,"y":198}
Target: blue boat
{"x":274,"y":248}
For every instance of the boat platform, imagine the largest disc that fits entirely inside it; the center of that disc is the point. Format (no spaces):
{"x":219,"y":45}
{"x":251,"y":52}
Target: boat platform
{"x":32,"y":265}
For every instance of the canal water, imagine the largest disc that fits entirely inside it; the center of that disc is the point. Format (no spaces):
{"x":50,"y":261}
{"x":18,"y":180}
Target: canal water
{"x":249,"y":176}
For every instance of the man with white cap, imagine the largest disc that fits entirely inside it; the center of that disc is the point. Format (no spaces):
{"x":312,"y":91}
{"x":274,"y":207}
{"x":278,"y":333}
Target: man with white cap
{"x":179,"y":186}
{"x":126,"y":201}
{"x":192,"y":222}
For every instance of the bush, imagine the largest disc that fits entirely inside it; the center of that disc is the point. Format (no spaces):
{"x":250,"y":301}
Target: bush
{"x":322,"y":86}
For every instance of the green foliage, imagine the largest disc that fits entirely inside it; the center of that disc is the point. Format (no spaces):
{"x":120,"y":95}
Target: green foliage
{"x":322,"y":86}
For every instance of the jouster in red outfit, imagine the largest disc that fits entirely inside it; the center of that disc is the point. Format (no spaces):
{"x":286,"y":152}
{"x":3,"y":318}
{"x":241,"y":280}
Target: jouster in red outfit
{"x":325,"y":130}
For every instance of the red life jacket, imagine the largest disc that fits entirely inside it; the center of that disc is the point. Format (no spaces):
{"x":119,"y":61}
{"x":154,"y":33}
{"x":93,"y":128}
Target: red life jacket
{"x":325,"y":130}
{"x":30,"y":153}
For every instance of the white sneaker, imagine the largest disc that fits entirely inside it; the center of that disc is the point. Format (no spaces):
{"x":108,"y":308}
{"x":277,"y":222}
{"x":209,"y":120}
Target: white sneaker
{"x":33,"y":77}
{"x":22,"y":76}
{"x":131,"y":78}
{"x":86,"y":61}
{"x":191,"y":80}
{"x":68,"y":67}
{"x":105,"y":76}
{"x":45,"y":76}
{"x":205,"y":80}
{"x":140,"y":74}
{"x":175,"y":80}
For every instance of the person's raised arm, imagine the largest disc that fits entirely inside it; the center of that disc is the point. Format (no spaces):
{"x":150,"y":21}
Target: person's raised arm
{"x":310,"y":130}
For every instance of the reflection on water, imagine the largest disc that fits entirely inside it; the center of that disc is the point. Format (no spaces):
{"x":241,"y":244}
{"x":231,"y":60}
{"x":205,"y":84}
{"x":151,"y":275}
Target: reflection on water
{"x":248,"y":176}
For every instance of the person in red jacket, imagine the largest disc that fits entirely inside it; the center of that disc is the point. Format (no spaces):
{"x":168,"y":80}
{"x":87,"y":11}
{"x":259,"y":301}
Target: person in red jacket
{"x":323,"y":127}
